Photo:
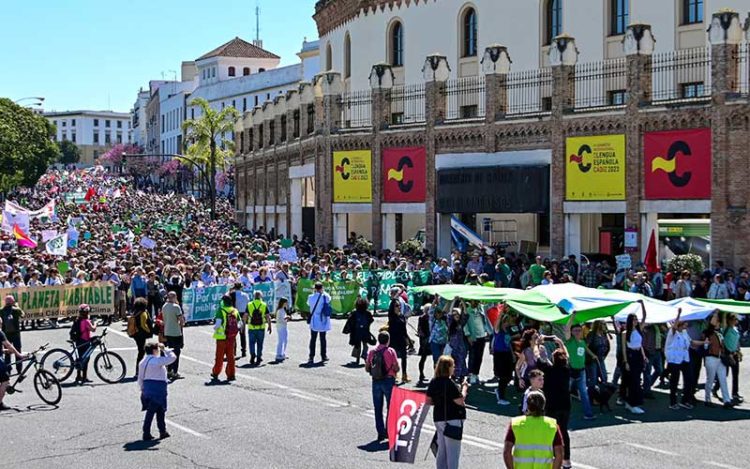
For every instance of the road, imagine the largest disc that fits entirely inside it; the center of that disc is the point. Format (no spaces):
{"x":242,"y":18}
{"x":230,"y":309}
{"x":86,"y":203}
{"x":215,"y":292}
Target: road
{"x":292,"y":416}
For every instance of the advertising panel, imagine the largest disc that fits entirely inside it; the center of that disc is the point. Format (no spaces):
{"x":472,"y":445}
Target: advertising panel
{"x":404,"y":174}
{"x":595,"y":168}
{"x":352,"y":176}
{"x":677,"y":164}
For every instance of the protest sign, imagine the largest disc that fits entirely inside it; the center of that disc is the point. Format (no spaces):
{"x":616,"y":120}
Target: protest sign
{"x":148,"y":243}
{"x":63,"y":300}
{"x":57,"y":246}
{"x":288,"y":254}
{"x":200,"y":304}
{"x":48,"y":234}
{"x":343,"y":295}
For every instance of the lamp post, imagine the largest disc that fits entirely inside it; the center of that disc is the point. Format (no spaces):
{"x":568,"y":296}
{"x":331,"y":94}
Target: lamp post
{"x":39,"y":100}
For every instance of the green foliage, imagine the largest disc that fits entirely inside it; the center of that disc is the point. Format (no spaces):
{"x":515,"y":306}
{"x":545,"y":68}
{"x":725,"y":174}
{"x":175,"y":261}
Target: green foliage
{"x":70,"y":153}
{"x":26,"y":147}
{"x":689,"y":262}
{"x":411,"y":246}
{"x":362,"y":245}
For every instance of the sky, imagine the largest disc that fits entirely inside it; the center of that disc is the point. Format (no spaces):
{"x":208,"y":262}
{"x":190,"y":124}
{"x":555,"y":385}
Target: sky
{"x":96,"y":54}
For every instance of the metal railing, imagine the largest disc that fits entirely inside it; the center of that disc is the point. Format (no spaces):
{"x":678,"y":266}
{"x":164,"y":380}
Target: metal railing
{"x":465,"y":98}
{"x":601,"y":85}
{"x":744,"y":71}
{"x":529,"y":92}
{"x":681,"y":75}
{"x":356,"y":109}
{"x":408,"y":104}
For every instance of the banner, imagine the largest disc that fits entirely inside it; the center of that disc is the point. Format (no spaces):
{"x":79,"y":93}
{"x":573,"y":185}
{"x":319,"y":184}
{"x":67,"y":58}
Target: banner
{"x":404,"y":174}
{"x":57,"y":246}
{"x":200,"y":304}
{"x":268,"y":290}
{"x":148,"y":243}
{"x":595,"y":168}
{"x":343,"y":295}
{"x":288,"y":254}
{"x":352,"y":176}
{"x":48,"y":234}
{"x":20,"y":219}
{"x":48,"y":211}
{"x":63,"y":300}
{"x":406,"y":415}
{"x":677,"y":164}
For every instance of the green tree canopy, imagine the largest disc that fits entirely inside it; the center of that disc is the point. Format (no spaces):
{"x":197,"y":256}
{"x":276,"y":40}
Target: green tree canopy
{"x":70,"y":153}
{"x":26,"y":146}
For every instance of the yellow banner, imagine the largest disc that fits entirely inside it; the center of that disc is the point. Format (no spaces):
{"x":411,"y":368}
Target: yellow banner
{"x":352,"y":176}
{"x":63,"y":300}
{"x":595,"y":168}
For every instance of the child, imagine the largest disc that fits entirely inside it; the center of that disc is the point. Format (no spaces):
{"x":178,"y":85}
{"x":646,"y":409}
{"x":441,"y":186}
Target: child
{"x":536,"y":380}
{"x":281,"y":329}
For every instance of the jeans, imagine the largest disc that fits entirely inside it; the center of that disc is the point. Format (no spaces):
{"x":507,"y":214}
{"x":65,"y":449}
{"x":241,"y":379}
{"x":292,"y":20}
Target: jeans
{"x":715,"y":369}
{"x":255,"y":339}
{"x":579,"y":383}
{"x":140,"y":343}
{"x":476,"y":355}
{"x":437,"y":350}
{"x":655,"y":362}
{"x":449,"y":450}
{"x":160,"y":424}
{"x":503,"y":368}
{"x":282,"y":334}
{"x":175,"y":343}
{"x":596,"y":370}
{"x":14,"y":339}
{"x":381,"y":389}
{"x":674,"y":370}
{"x":323,"y":344}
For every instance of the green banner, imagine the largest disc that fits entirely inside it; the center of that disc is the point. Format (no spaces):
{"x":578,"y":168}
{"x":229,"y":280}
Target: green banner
{"x":200,"y":304}
{"x":343,"y":295}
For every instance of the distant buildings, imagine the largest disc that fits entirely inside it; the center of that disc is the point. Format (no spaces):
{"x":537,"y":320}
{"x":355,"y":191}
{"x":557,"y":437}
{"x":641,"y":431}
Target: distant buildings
{"x":94,"y":132}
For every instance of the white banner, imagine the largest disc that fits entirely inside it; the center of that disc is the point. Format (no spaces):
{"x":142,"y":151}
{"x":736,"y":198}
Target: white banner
{"x":47,"y":211}
{"x":48,"y":234}
{"x":20,"y":219}
{"x":57,"y":246}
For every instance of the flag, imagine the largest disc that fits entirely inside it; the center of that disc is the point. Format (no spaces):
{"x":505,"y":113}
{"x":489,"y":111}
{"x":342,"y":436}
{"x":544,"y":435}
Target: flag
{"x":22,"y":238}
{"x":48,"y":234}
{"x":57,"y":246}
{"x":148,"y":243}
{"x":406,"y":416}
{"x":11,"y":219}
{"x":650,"y":259}
{"x":116,"y":194}
{"x":89,"y":194}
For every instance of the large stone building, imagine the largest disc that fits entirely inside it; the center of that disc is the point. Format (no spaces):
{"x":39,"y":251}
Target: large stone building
{"x":94,"y":132}
{"x":572,"y":156}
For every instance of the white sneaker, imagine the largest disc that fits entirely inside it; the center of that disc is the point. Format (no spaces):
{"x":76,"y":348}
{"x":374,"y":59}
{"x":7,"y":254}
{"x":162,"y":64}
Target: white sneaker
{"x":620,"y":401}
{"x":503,"y":402}
{"x":634,"y":410}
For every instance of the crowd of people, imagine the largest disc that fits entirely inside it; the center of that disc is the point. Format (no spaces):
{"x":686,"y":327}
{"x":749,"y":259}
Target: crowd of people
{"x":192,"y":249}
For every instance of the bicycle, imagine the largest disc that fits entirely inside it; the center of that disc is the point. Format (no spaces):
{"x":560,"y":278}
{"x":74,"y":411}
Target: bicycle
{"x":109,"y":366}
{"x":44,"y":381}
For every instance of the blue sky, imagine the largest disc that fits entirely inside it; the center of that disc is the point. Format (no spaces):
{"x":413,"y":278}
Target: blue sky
{"x":96,"y":54}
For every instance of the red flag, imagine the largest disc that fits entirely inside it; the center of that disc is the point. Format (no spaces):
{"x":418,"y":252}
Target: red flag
{"x":89,"y":194}
{"x":406,"y":415}
{"x":650,"y":259}
{"x":22,"y":239}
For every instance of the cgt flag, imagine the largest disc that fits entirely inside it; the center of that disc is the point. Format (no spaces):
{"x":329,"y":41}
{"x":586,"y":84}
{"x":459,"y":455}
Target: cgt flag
{"x":406,"y":416}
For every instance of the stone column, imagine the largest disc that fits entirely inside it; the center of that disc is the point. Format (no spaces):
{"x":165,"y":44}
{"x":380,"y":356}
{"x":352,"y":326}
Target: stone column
{"x":563,"y":56}
{"x":638,"y":46}
{"x":306,"y":98}
{"x":435,"y":72}
{"x":495,"y":67}
{"x":729,"y":199}
{"x":327,"y":88}
{"x":381,"y":83}
{"x":292,"y":105}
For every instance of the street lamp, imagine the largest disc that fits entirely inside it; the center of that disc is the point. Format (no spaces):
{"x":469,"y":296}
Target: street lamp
{"x":39,"y":99}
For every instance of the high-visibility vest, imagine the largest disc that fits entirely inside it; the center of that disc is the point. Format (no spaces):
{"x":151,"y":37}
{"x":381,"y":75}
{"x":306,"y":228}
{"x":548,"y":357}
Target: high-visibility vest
{"x":533,"y":446}
{"x":256,"y":305}
{"x":221,"y":332}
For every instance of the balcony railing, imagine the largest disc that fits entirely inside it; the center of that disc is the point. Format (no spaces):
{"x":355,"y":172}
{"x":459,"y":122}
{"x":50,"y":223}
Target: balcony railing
{"x":356,"y":109}
{"x":601,"y":85}
{"x":743,"y":73}
{"x":408,"y":104}
{"x":681,"y":75}
{"x":465,"y":98}
{"x":529,"y":93}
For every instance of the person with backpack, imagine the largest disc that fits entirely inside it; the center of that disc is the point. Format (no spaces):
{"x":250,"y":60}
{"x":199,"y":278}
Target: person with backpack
{"x":226,"y":328}
{"x":320,"y":321}
{"x":140,"y":328}
{"x":257,"y":318}
{"x":80,"y":334}
{"x":382,"y":365}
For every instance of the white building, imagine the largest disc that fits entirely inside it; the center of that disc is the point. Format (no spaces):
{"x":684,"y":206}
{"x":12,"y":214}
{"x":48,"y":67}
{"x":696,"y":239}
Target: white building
{"x":94,"y":132}
{"x":138,"y":119}
{"x":403,"y":33}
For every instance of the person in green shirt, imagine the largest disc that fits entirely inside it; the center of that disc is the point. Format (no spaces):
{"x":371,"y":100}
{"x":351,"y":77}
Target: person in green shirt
{"x":577,"y":350}
{"x":477,"y":331}
{"x":536,"y":272}
{"x":732,"y":345}
{"x":503,"y":273}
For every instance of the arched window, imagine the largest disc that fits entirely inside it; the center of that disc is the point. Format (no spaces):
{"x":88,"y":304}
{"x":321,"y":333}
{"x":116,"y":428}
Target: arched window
{"x":692,"y":11}
{"x":261,"y":70}
{"x":469,"y":25}
{"x":347,"y":56}
{"x":329,"y":58}
{"x":553,"y":20}
{"x":231,"y":71}
{"x":619,"y":11}
{"x":246,"y":71}
{"x":396,"y":44}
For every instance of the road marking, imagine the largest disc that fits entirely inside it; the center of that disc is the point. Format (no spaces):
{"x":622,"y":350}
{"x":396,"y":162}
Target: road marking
{"x":122,"y":349}
{"x":583,"y":466}
{"x":186,"y":429}
{"x":649,"y":448}
{"x":718,"y":464}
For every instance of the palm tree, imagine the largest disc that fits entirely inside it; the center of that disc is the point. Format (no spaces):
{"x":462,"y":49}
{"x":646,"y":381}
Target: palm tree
{"x":207,"y":145}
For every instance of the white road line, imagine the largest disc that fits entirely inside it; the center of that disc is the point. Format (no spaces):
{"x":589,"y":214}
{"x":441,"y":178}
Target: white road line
{"x":582,"y":466}
{"x":649,"y":448}
{"x":718,"y":464}
{"x":186,"y":429}
{"x":122,"y":349}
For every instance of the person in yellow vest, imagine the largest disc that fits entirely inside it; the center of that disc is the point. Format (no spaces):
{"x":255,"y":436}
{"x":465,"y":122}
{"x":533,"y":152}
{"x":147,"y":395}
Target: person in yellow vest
{"x":533,"y":441}
{"x":257,"y":319}
{"x":226,"y":328}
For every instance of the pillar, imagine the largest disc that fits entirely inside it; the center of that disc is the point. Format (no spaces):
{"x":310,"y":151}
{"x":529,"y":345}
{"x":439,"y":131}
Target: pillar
{"x":573,"y":234}
{"x":495,"y":67}
{"x":389,"y":231}
{"x":339,"y":229}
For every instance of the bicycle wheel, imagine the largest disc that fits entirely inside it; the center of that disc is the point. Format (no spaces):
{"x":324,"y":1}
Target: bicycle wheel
{"x":59,"y":362}
{"x":47,"y":387}
{"x":110,"y":367}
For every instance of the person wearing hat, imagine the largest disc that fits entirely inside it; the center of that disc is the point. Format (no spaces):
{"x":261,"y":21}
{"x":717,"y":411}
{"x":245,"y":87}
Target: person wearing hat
{"x":12,"y":315}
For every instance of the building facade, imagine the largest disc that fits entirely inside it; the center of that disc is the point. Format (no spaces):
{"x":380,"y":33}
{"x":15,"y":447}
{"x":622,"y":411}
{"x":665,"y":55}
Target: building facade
{"x":94,"y":132}
{"x":138,"y":118}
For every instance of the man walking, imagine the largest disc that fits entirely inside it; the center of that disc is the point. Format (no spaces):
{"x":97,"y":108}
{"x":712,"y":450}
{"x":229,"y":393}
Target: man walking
{"x":241,"y":300}
{"x":11,"y":316}
{"x":320,"y":322}
{"x":382,"y":364}
{"x":533,"y":440}
{"x":257,"y":318}
{"x":577,"y":351}
{"x":174,"y":321}
{"x":226,"y":328}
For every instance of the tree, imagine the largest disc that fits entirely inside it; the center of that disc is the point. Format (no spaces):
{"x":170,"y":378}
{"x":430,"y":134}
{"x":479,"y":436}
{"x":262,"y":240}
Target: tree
{"x":208,"y":148}
{"x":71,"y":154}
{"x":26,"y":146}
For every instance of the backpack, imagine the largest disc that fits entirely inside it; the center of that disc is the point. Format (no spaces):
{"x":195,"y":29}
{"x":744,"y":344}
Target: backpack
{"x":233,"y":326}
{"x":132,"y":326}
{"x":256,"y":316}
{"x":378,"y":370}
{"x":75,"y":331}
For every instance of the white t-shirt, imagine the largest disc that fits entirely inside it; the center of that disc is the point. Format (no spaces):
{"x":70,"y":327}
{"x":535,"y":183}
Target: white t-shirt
{"x":281,"y":318}
{"x":636,"y":340}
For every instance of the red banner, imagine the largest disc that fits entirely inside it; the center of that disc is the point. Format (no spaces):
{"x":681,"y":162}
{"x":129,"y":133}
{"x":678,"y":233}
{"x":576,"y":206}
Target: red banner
{"x":406,"y":416}
{"x":404,"y":174}
{"x":677,"y":164}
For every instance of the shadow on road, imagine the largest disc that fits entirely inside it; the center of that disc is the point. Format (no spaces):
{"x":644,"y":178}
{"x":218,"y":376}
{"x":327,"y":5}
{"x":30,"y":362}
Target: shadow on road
{"x":374,"y":446}
{"x":140,"y":445}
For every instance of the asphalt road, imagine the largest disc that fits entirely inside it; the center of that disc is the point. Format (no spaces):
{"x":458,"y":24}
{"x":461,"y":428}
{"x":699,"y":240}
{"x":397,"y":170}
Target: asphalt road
{"x":290,"y":416}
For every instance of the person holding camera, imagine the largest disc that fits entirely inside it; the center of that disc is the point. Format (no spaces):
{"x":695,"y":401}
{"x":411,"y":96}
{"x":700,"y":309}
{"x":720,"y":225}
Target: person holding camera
{"x":152,"y":381}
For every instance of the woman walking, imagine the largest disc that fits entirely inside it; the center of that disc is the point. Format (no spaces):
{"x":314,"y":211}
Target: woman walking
{"x":152,"y":380}
{"x":448,"y":402}
{"x":358,"y":328}
{"x":632,"y":361}
{"x":84,"y":327}
{"x":598,"y":342}
{"x":438,"y":331}
{"x":423,"y":332}
{"x":502,"y":357}
{"x":715,"y":368}
{"x":282,"y":317}
{"x":397,"y":331}
{"x":143,"y":327}
{"x":678,"y":361}
{"x":557,"y":392}
{"x":457,"y":340}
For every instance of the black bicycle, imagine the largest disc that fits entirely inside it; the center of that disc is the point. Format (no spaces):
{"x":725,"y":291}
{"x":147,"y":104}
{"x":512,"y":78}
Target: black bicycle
{"x":109,"y":366}
{"x":47,"y":387}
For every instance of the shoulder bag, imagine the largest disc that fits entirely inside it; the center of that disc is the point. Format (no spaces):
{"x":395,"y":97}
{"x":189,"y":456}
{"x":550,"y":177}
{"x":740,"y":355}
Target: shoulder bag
{"x":454,"y":432}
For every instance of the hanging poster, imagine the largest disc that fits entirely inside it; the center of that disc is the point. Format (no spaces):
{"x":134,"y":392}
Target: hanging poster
{"x":595,"y":168}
